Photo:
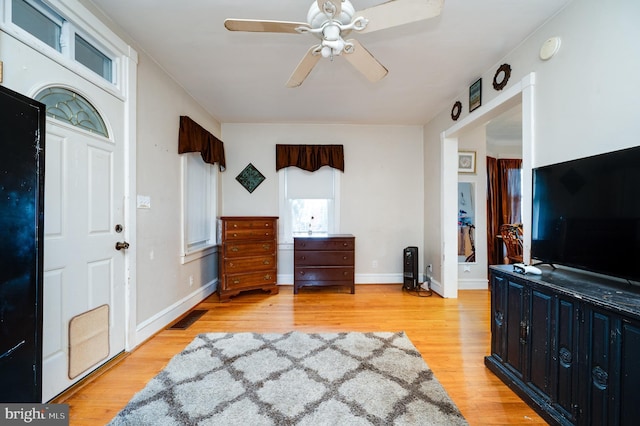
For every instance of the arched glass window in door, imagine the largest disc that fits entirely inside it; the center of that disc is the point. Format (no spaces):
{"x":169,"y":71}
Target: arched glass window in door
{"x":70,"y":107}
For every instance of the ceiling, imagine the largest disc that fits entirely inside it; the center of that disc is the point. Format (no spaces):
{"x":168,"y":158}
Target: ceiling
{"x":240,"y":77}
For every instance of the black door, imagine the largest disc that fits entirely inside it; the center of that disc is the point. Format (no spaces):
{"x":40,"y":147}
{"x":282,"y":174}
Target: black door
{"x":22,"y":130}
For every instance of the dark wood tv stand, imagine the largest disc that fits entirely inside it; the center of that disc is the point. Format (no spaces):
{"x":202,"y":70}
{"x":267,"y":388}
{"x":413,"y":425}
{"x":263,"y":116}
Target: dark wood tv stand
{"x":568,"y":344}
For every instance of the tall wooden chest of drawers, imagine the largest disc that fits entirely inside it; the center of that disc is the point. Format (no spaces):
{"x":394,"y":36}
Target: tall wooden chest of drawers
{"x":324,"y":260}
{"x":248,"y":256}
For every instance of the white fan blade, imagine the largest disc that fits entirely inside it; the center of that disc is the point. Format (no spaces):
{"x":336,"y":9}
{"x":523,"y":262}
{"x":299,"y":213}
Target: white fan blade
{"x":364,"y":62}
{"x":399,"y":12}
{"x":304,"y":67}
{"x":255,"y":25}
{"x":337,"y":4}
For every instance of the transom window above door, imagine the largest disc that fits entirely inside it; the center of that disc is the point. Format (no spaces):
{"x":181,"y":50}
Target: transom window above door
{"x":51,"y":28}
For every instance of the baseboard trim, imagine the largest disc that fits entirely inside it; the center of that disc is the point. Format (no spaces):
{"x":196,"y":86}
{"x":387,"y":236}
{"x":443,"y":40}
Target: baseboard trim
{"x":473,"y":284}
{"x":437,"y":287}
{"x":398,"y":278}
{"x":158,"y":322}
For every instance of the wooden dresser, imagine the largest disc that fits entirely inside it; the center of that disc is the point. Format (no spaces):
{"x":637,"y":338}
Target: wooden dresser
{"x":324,"y":260}
{"x":248,"y":256}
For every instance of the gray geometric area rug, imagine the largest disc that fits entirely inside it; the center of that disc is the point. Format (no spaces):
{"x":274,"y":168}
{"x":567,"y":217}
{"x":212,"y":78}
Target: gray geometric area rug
{"x":294,"y":379}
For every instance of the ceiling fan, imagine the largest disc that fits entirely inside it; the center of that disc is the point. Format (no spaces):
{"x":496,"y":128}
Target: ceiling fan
{"x":331,"y":20}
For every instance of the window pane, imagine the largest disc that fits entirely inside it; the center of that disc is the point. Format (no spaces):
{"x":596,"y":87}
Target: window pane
{"x":35,"y":22}
{"x":199,"y":215}
{"x":92,"y":58}
{"x":310,"y":214}
{"x":305,"y":184}
{"x":66,"y":105}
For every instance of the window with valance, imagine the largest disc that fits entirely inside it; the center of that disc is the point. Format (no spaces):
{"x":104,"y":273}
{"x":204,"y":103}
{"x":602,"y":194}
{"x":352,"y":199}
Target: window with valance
{"x":199,"y":188}
{"x":193,"y":137}
{"x":310,"y":193}
{"x":310,"y":157}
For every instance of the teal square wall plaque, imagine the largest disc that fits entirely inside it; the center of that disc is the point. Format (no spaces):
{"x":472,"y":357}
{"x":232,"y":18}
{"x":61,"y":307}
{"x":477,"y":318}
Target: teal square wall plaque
{"x":250,"y":178}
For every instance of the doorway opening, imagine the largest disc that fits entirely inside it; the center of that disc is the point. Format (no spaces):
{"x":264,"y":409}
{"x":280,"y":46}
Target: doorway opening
{"x":521,"y":93}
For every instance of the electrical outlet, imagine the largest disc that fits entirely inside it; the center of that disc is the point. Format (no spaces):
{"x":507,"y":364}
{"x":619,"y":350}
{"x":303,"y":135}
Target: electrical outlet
{"x":374,"y":263}
{"x":190,"y":280}
{"x":430,"y":267}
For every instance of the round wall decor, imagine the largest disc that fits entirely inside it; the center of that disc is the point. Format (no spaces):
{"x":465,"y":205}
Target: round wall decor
{"x":502,"y":76}
{"x":456,"y":110}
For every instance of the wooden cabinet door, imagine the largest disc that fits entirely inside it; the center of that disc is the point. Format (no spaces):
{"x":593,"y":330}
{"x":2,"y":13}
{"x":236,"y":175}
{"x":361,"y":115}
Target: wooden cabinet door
{"x":611,"y":345}
{"x":499,"y":313}
{"x":629,"y":397}
{"x":540,"y":336}
{"x":566,"y":386}
{"x":517,"y":327}
{"x":601,"y":333}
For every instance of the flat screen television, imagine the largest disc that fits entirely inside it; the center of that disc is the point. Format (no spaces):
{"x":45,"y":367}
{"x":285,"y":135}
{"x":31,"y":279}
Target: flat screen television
{"x":586,"y":214}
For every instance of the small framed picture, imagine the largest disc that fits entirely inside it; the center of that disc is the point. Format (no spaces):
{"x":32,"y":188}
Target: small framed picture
{"x":466,"y":162}
{"x":475,"y":95}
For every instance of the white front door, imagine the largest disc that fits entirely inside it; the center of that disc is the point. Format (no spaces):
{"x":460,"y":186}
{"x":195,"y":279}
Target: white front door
{"x":84,"y":202}
{"x":85,"y":189}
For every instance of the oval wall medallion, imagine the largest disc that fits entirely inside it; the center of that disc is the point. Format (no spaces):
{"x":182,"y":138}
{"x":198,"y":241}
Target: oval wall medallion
{"x":502,"y":76}
{"x":456,"y":110}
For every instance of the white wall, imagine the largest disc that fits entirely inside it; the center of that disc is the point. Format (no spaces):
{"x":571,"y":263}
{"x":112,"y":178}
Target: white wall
{"x":585,"y":101}
{"x":162,"y":281}
{"x":163,"y":289}
{"x":382,"y":192}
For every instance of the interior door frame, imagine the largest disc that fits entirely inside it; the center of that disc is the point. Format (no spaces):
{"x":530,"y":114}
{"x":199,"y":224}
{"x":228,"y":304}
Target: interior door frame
{"x":522,"y":92}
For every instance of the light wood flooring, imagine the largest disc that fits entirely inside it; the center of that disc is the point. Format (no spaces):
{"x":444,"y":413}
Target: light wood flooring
{"x":451,"y":334}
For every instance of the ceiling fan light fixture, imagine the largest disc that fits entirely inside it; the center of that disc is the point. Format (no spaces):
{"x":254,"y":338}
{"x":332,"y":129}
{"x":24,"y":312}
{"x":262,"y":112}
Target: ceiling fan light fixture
{"x":332,"y":20}
{"x":331,"y":32}
{"x":317,"y":18}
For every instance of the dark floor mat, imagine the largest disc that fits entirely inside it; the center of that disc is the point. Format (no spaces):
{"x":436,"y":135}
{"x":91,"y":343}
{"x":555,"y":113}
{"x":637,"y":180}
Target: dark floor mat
{"x":188,"y":319}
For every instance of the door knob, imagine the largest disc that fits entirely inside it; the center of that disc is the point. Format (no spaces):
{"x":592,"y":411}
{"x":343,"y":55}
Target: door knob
{"x":122,"y":245}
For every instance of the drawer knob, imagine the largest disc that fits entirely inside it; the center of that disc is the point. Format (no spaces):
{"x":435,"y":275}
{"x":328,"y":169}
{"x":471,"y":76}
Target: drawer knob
{"x":345,"y":273}
{"x":344,"y":244}
{"x":267,"y":277}
{"x":266,"y":246}
{"x":266,"y":262}
{"x":304,"y":258}
{"x":234,"y":249}
{"x":301,"y":272}
{"x":236,"y":281}
{"x":235,"y":235}
{"x":344,"y":258}
{"x":235,"y":225}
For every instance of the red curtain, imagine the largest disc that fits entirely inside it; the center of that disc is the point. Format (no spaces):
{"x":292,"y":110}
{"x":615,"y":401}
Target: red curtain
{"x":504,"y":201}
{"x":493,"y":212}
{"x":192,"y":137}
{"x":510,"y":193}
{"x":310,"y":157}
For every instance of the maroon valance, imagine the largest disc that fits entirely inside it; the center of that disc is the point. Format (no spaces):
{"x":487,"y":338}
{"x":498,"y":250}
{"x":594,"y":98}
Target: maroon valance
{"x":194,"y":138}
{"x":310,"y":157}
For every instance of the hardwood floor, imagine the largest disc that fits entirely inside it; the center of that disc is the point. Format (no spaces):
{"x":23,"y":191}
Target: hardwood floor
{"x":451,"y":334}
